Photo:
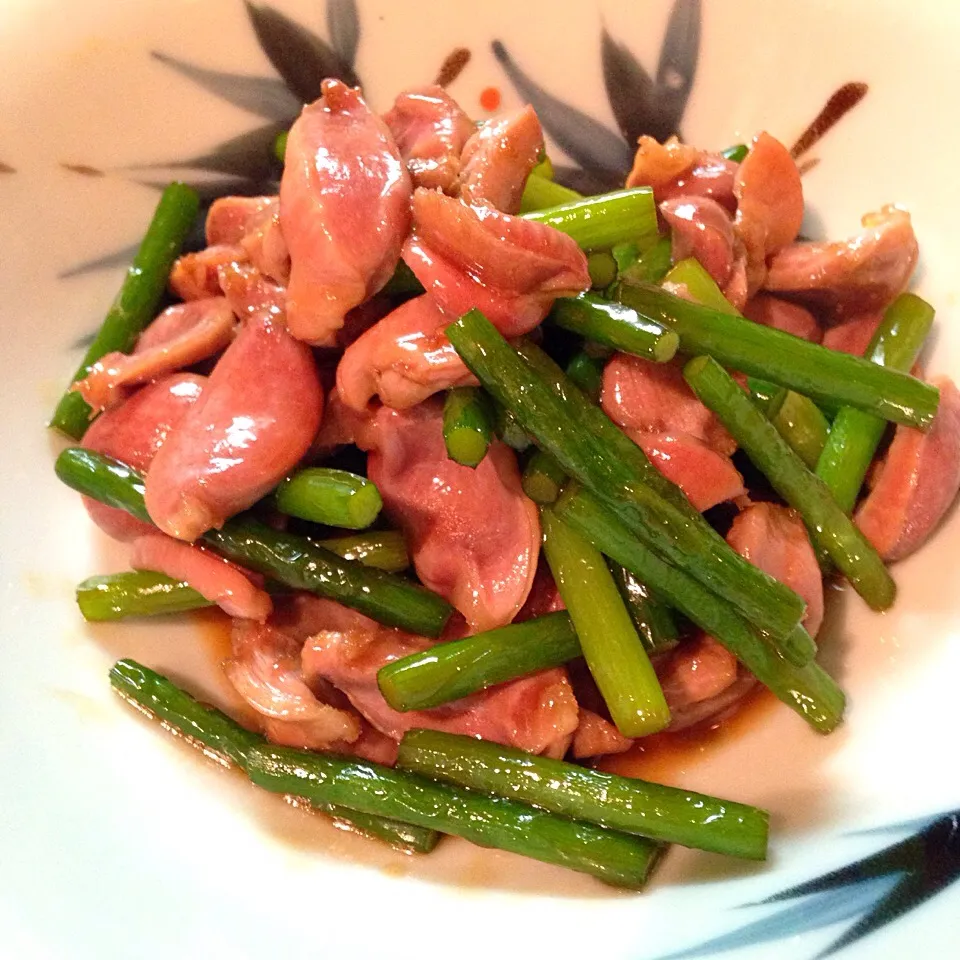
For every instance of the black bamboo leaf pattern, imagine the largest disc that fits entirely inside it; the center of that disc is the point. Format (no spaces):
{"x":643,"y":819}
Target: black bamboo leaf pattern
{"x":677,"y":67}
{"x":873,"y":892}
{"x":248,"y":156}
{"x":118,"y":258}
{"x":297,"y":54}
{"x":343,"y":28}
{"x":585,"y":140}
{"x":267,"y":97}
{"x":587,"y":181}
{"x":629,"y":87}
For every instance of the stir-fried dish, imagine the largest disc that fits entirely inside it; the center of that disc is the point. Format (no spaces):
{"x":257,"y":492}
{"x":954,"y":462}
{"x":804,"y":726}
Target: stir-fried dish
{"x":494,"y":479}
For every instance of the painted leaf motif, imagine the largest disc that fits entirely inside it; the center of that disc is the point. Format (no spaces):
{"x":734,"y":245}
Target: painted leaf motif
{"x":588,"y":181}
{"x":119,"y":258}
{"x":586,"y":141}
{"x":249,"y":156}
{"x":677,"y":67}
{"x":630,"y":90}
{"x":875,"y":891}
{"x":267,"y":97}
{"x":297,"y":54}
{"x":343,"y":28}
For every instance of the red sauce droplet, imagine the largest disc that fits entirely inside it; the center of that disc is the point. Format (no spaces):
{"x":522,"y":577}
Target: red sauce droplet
{"x":490,"y":99}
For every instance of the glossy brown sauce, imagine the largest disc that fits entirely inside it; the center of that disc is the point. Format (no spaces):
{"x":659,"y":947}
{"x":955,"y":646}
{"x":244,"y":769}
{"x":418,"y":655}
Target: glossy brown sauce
{"x":453,"y":65}
{"x":665,"y":757}
{"x":841,"y":102}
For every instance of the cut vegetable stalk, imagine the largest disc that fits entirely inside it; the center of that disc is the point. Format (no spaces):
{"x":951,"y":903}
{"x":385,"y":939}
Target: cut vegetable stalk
{"x":615,"y":326}
{"x":136,"y":303}
{"x":830,"y":528}
{"x":597,"y":223}
{"x":589,"y":447}
{"x":452,"y":670}
{"x":652,"y":810}
{"x":652,"y":619}
{"x":652,"y":265}
{"x":615,"y":655}
{"x":217,"y":732}
{"x":819,"y":373}
{"x":136,"y":593}
{"x":796,"y":417}
{"x":335,"y":498}
{"x":808,"y":690}
{"x":540,"y":193}
{"x":467,"y":425}
{"x":855,"y":435}
{"x":294,"y":561}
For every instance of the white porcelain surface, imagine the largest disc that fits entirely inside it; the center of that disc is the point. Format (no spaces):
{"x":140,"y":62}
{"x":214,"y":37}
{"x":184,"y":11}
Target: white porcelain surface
{"x":115,"y":840}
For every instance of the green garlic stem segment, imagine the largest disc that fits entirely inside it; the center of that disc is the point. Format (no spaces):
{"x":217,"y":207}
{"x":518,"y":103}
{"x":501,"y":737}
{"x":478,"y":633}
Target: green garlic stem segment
{"x":335,"y":498}
{"x":597,"y":223}
{"x":136,"y":593}
{"x":807,"y":690}
{"x":216,"y":731}
{"x":830,"y":528}
{"x":615,"y":655}
{"x":540,"y":193}
{"x":292,"y":560}
{"x":589,"y":447}
{"x":136,"y":303}
{"x":667,"y":814}
{"x":467,"y":425}
{"x":821,"y":374}
{"x":615,"y":326}
{"x":855,"y":435}
{"x":652,"y":619}
{"x":453,"y":670}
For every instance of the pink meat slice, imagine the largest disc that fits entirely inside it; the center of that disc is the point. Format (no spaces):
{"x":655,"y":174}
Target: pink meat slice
{"x":537,"y":713}
{"x":181,"y":336}
{"x":917,"y":483}
{"x":853,"y":335}
{"x":132,"y":433}
{"x":774,"y":539}
{"x":344,"y":210}
{"x":649,"y":397}
{"x":848,"y":277}
{"x":473,"y":534}
{"x":700,"y":228}
{"x":597,"y":737}
{"x":705,"y":476}
{"x":266,"y":671}
{"x":195,"y":276}
{"x":250,"y":293}
{"x":512,"y":269}
{"x":258,"y":415}
{"x":544,"y":597}
{"x":694,"y":677}
{"x":264,"y":244}
{"x":675,"y":169}
{"x":213,"y":577}
{"x":498,"y":158}
{"x":783,"y":315}
{"x":769,"y":205}
{"x":430,"y":130}
{"x":404,"y":358}
{"x":229,"y":218}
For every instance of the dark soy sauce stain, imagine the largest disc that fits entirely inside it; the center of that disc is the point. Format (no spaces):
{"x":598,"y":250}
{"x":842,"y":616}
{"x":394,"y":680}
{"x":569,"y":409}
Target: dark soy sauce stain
{"x":835,"y":109}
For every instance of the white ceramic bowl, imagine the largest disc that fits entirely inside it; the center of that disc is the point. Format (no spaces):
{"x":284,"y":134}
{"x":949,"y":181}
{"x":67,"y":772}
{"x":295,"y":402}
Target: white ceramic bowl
{"x":117,"y":841}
